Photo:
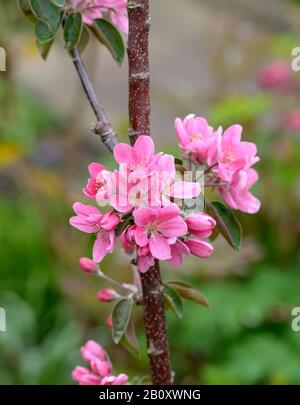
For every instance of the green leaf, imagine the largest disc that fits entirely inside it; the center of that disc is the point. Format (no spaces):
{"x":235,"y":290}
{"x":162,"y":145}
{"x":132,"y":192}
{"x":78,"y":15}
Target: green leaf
{"x":188,"y":292}
{"x":73,"y":29}
{"x":120,"y":318}
{"x":47,"y":12}
{"x":42,"y":33}
{"x":227,"y":223}
{"x":109,"y":36}
{"x":130,"y":342}
{"x":58,"y":3}
{"x":26,"y":10}
{"x":44,"y":48}
{"x":173,"y":300}
{"x":83,"y":40}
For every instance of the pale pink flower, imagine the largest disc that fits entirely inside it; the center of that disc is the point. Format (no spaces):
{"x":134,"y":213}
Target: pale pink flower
{"x":92,"y":351}
{"x":158,"y":228}
{"x":88,"y":266}
{"x":90,"y":220}
{"x":195,"y":136}
{"x":276,"y":76}
{"x":232,"y":154}
{"x":199,"y":247}
{"x":200,"y":224}
{"x":107,"y":295}
{"x":237,"y":194}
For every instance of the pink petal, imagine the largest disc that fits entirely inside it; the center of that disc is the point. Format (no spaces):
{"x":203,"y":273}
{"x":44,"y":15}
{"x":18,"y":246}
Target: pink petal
{"x":123,"y":153}
{"x":141,"y":237}
{"x":143,"y":150}
{"x":82,"y":225}
{"x":143,"y":216}
{"x":145,"y":262}
{"x":185,"y":189}
{"x":159,"y":247}
{"x":95,"y":168}
{"x":173,"y":227}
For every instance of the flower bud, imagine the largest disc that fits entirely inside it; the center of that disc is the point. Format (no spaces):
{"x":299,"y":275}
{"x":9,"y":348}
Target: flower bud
{"x":88,"y":266}
{"x":107,"y":295}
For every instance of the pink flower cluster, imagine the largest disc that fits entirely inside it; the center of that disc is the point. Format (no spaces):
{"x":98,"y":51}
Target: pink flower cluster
{"x":142,"y":193}
{"x":93,"y":9}
{"x":226,"y":158}
{"x":100,"y":368}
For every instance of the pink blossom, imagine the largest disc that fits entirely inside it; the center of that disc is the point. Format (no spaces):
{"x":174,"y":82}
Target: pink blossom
{"x":92,"y":351}
{"x":200,"y":224}
{"x":276,"y":76}
{"x":237,"y":194}
{"x":140,"y":158}
{"x":177,"y":250}
{"x":98,"y":184}
{"x":232,"y":154}
{"x":199,"y":247}
{"x":195,"y":136}
{"x":100,"y":369}
{"x":88,"y":266}
{"x":291,"y":122}
{"x":107,"y":295}
{"x":93,"y":9}
{"x":158,"y":228}
{"x":90,"y":220}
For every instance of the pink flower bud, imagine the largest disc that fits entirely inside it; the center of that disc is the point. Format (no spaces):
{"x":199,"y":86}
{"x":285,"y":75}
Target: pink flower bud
{"x":109,"y":321}
{"x":90,"y":379}
{"x":88,"y":266}
{"x":276,"y":76}
{"x":101,"y":368}
{"x":143,"y":251}
{"x":107,"y":295}
{"x":79,"y":372}
{"x":112,"y":380}
{"x":200,"y":224}
{"x":92,"y":351}
{"x":199,"y":247}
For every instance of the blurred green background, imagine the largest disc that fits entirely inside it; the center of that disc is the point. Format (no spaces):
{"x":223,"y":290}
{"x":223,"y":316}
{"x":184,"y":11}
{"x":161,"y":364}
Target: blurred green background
{"x":208,"y":64}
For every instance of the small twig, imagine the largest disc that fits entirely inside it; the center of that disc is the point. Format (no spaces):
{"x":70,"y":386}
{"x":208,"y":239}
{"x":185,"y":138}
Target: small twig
{"x":103,"y":127}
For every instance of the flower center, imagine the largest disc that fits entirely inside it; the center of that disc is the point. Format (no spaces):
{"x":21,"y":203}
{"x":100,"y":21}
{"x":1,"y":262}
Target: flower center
{"x":152,"y":228}
{"x":196,"y":136}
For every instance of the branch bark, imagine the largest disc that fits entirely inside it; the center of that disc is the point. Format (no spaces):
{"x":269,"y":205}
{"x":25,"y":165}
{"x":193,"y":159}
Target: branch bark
{"x":139,"y":114}
{"x":103,"y":127}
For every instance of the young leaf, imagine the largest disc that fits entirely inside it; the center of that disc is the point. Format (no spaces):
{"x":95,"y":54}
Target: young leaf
{"x":173,"y":300}
{"x":188,"y":292}
{"x":120,"y":318}
{"x":26,"y":10}
{"x":109,"y":36}
{"x":73,"y":29}
{"x":84,"y":40}
{"x":42,"y":33}
{"x":47,"y":12}
{"x":227,"y":223}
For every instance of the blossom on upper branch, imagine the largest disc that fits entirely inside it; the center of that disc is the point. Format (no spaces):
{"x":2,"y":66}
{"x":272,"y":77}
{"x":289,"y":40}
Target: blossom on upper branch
{"x":92,"y":9}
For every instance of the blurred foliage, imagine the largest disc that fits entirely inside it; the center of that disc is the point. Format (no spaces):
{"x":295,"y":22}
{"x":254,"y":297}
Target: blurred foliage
{"x":245,"y":337}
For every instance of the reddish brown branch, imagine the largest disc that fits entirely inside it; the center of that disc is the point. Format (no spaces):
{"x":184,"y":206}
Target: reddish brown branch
{"x":139,"y":114}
